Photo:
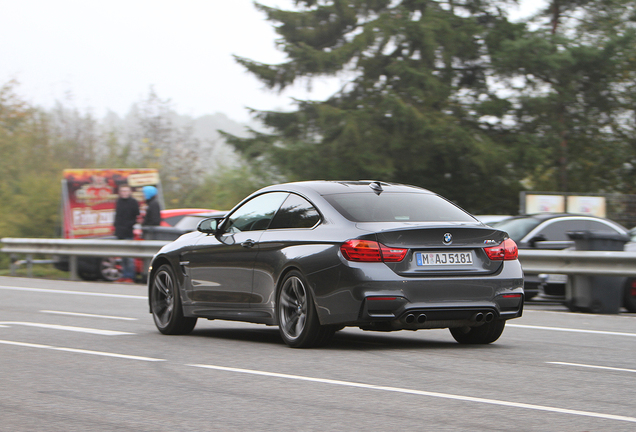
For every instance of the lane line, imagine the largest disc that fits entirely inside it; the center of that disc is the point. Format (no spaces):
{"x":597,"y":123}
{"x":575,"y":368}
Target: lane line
{"x":627,"y":315}
{"x":88,"y":315}
{"x":85,"y":293}
{"x":593,"y":366}
{"x":67,"y":328}
{"x":81,"y":351}
{"x":423,"y":393}
{"x":610,"y":333}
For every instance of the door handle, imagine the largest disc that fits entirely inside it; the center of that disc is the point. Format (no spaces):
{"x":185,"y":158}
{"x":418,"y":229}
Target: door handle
{"x":248,"y":243}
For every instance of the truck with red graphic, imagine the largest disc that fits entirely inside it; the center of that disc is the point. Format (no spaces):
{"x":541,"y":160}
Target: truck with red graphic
{"x":89,"y":198}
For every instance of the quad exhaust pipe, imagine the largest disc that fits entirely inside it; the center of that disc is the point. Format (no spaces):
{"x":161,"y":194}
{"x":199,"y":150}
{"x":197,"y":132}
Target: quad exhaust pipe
{"x":483,"y":317}
{"x":478,"y":317}
{"x":411,"y":318}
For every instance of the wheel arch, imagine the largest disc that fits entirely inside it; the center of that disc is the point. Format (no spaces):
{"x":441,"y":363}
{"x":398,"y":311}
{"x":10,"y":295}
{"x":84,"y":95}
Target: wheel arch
{"x":279,"y":284}
{"x":156,"y":264}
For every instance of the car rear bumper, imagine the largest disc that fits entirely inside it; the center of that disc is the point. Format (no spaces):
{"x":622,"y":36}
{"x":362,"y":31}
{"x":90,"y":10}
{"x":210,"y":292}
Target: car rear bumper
{"x":371,"y":296}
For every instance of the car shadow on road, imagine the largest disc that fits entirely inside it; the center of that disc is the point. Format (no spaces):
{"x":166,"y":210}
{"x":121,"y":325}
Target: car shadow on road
{"x":343,"y":340}
{"x":268,"y":335}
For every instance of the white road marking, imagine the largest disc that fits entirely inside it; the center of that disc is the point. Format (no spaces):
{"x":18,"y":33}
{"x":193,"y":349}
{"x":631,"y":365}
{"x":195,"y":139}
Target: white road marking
{"x":88,"y":315}
{"x":609,"y":333}
{"x":593,"y":366}
{"x":85,"y":293}
{"x":564,"y":312}
{"x":81,"y":351}
{"x":423,"y":393}
{"x":67,"y":328}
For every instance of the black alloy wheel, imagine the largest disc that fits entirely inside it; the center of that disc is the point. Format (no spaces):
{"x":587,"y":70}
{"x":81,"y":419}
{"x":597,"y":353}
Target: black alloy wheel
{"x":297,"y":318}
{"x":165,"y":304}
{"x":484,"y":334}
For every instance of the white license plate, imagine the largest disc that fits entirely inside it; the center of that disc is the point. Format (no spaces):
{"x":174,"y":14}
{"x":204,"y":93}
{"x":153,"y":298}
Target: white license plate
{"x":444,"y":258}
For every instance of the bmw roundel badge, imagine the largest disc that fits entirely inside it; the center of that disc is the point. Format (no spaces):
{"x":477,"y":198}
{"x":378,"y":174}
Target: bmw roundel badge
{"x":448,"y":238}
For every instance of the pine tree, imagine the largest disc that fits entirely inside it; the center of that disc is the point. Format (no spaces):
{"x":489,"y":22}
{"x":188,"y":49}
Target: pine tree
{"x":414,"y":70}
{"x":572,"y":78}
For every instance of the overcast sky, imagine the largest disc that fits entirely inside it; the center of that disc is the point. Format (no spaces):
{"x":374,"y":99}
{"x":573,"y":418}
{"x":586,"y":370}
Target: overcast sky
{"x":105,"y":55}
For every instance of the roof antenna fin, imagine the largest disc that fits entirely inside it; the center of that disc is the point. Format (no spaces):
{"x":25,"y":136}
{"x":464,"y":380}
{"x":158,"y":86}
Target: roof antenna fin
{"x":376,"y":187}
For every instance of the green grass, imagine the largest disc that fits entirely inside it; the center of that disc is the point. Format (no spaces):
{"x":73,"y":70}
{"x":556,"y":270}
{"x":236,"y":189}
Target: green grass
{"x":45,"y":271}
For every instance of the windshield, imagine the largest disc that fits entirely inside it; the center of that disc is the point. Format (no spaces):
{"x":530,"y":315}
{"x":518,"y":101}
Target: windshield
{"x":517,"y":228}
{"x":397,"y":207}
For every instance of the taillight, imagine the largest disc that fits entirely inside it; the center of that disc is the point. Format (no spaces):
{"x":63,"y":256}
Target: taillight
{"x":505,"y":251}
{"x":371,"y":251}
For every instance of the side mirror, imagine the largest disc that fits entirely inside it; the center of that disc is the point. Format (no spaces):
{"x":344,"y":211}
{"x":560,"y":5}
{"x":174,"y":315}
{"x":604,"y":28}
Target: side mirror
{"x":208,"y":226}
{"x":538,"y":238}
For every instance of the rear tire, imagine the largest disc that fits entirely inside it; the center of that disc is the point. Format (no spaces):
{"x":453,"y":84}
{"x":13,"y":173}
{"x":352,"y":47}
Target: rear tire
{"x":165,"y":304}
{"x":87,"y":276}
{"x":484,"y":334}
{"x":297,"y":317}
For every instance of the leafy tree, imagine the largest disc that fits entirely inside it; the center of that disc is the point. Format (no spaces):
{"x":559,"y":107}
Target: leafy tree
{"x":225,"y":187}
{"x":29,"y":170}
{"x":414,"y":71}
{"x":571,"y":82}
{"x":75,"y":135}
{"x":154,"y":140}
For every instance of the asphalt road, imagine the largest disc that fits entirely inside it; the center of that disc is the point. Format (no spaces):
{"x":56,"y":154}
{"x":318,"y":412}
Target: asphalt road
{"x":77,"y":356}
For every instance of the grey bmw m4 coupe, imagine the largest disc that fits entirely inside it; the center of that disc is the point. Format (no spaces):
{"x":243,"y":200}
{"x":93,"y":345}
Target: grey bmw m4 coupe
{"x":314,"y":257}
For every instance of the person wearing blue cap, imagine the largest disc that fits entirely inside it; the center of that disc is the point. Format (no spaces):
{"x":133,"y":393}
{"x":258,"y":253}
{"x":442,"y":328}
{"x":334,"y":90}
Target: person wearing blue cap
{"x":153,"y":212}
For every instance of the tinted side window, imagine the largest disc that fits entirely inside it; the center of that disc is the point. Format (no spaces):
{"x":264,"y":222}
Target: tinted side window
{"x":557,"y":231}
{"x":601,"y":227}
{"x":296,"y":212}
{"x":255,"y":214}
{"x":172,"y":221}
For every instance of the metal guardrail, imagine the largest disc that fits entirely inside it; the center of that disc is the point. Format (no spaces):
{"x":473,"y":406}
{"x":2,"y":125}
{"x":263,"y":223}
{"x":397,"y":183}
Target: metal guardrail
{"x":573,"y":262}
{"x":144,"y":249}
{"x":84,"y":247}
{"x":570,"y":262}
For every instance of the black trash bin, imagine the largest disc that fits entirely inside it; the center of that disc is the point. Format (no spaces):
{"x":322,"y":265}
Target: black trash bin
{"x":596,"y":294}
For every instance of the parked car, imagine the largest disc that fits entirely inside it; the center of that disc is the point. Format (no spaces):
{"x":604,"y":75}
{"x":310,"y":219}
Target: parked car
{"x":174,"y":223}
{"x":313,"y":257}
{"x":492,"y":220}
{"x":550,"y":231}
{"x":171,"y":217}
{"x":185,"y":223}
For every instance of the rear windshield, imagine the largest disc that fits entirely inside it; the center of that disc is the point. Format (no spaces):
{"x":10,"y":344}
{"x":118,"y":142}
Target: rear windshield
{"x":397,"y":207}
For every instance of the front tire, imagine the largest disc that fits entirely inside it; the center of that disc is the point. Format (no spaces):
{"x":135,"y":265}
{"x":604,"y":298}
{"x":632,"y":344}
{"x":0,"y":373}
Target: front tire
{"x":484,"y":334}
{"x":165,"y":304}
{"x":297,"y":317}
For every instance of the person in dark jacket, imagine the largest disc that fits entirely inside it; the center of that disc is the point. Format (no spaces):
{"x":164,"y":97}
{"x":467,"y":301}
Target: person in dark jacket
{"x":153,"y":212}
{"x":126,"y":212}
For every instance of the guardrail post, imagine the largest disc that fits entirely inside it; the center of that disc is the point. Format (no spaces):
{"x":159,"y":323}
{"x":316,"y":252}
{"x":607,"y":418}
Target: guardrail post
{"x":29,"y":261}
{"x":13,"y":258}
{"x":72,"y":261}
